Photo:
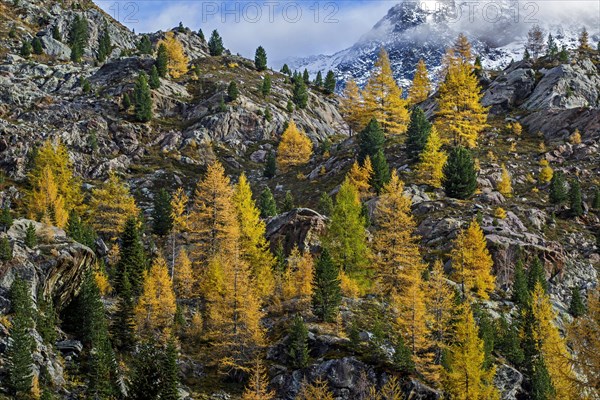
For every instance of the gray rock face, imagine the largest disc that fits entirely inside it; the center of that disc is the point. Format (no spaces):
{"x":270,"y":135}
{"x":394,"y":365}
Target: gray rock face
{"x":508,"y":381}
{"x":300,"y":227}
{"x":511,"y":88}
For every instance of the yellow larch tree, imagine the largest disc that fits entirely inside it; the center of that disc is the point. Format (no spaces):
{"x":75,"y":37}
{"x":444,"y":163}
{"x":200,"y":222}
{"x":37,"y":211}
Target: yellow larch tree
{"x":253,"y":244}
{"x":504,"y":185}
{"x":395,"y":244}
{"x":352,"y":107}
{"x":584,"y":339}
{"x":156,"y":307}
{"x":359,"y":176}
{"x":257,"y":388}
{"x":112,"y":205}
{"x":179,"y":202}
{"x":421,"y":85}
{"x":432,"y":160}
{"x":295,"y":148}
{"x":383,"y":98}
{"x":460,"y":117}
{"x":55,"y":157}
{"x":233,"y":313}
{"x":439,"y":304}
{"x":553,"y":347}
{"x":184,"y":279}
{"x":46,"y":202}
{"x":471,"y":262}
{"x":178,"y":62}
{"x":546,"y":171}
{"x":317,"y":390}
{"x":465,"y":377}
{"x":297,"y":280}
{"x":213,"y":220}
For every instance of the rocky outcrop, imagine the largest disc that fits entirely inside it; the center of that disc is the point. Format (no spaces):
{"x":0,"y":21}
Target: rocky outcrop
{"x":300,"y":227}
{"x":511,"y":88}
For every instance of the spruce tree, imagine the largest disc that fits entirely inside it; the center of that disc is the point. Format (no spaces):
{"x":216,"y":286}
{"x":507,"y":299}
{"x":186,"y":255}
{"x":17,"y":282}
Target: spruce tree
{"x":126,"y":102}
{"x":370,"y":140}
{"x":147,"y":375}
{"x":56,"y":35}
{"x":265,"y":87}
{"x":417,"y":133}
{"x":327,"y":293}
{"x":6,"y":219}
{"x":26,"y":49}
{"x":78,"y":38}
{"x":104,"y":45}
{"x":558,"y":189}
{"x":6,"y":253}
{"x":260,"y":59}
{"x":46,"y":319}
{"x":123,"y":326}
{"x":142,"y":99}
{"x":154,"y":80}
{"x":288,"y":202}
{"x":298,"y":343}
{"x":306,"y":77}
{"x":576,"y":306}
{"x":325,"y":204}
{"x":30,"y":236}
{"x":319,"y":80}
{"x":144,"y":45}
{"x":285,"y":70}
{"x":536,"y":274}
{"x":19,"y":353}
{"x":520,"y":290}
{"x":460,"y":177}
{"x":329,"y":85}
{"x":162,"y":60}
{"x":215,"y":44}
{"x":575,"y":202}
{"x":232,"y":91}
{"x":266,"y":204}
{"x":596,"y":200}
{"x":170,"y":372}
{"x":381,"y":172}
{"x":300,"y":93}
{"x":508,"y":340}
{"x":80,"y":231}
{"x":36,"y":45}
{"x":162,"y":221}
{"x":270,"y":166}
{"x":201,"y":35}
{"x":131,"y":258}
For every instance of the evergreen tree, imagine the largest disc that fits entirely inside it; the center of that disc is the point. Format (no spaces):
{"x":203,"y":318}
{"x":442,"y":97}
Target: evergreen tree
{"x":298,"y":343}
{"x":370,"y":141}
{"x":596,"y":200}
{"x":326,"y":204}
{"x":319,"y":80}
{"x":327,"y":293}
{"x":508,"y":340}
{"x":288,"y":202}
{"x":104,"y":45}
{"x":551,"y":46}
{"x":180,"y":27}
{"x":286,"y":70}
{"x":201,"y":35}
{"x":30,"y":236}
{"x":56,"y":35}
{"x":6,"y":219}
{"x":162,"y":60}
{"x":144,"y":45}
{"x":142,"y":99}
{"x":19,"y":352}
{"x":46,"y":319}
{"x":381,"y":172}
{"x":270,"y":166}
{"x":123,"y":326}
{"x":266,"y":204}
{"x":563,"y":55}
{"x":575,"y":202}
{"x":147,"y":372}
{"x":536,"y":274}
{"x":576,"y":306}
{"x":26,"y":49}
{"x":162,"y":221}
{"x":126,"y":102}
{"x":80,"y":231}
{"x":78,"y":38}
{"x":558,"y":188}
{"x":417,"y":133}
{"x":132,"y":260}
{"x":232,"y":91}
{"x":290,"y":106}
{"x":520,"y":290}
{"x":260,"y":59}
{"x":170,"y":387}
{"x":300,"y":93}
{"x":460,"y":177}
{"x":215,"y":44}
{"x":154,"y":80}
{"x":6,"y":252}
{"x":265,"y":87}
{"x":36,"y":46}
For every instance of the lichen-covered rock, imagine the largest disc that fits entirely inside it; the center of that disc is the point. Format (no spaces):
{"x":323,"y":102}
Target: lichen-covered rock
{"x":300,"y":227}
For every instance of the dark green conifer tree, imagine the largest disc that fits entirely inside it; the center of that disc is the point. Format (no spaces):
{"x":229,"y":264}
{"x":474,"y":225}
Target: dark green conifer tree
{"x":142,"y":99}
{"x":78,"y":38}
{"x":285,"y":70}
{"x":162,"y":221}
{"x":170,"y":372}
{"x":123,"y":326}
{"x":6,"y":252}
{"x":126,"y":102}
{"x":147,"y":380}
{"x":575,"y":201}
{"x":319,"y":80}
{"x":80,"y":231}
{"x":162,"y":60}
{"x":300,"y":93}
{"x":6,"y":219}
{"x":270,"y":166}
{"x":266,"y":204}
{"x":144,"y":45}
{"x":402,"y":357}
{"x":26,"y":49}
{"x":232,"y":91}
{"x":105,"y":46}
{"x":535,"y":274}
{"x":260,"y":59}
{"x":596,"y":200}
{"x":326,"y":204}
{"x":36,"y":46}
{"x":508,"y":340}
{"x":381,"y":172}
{"x":576,"y":306}
{"x":370,"y":140}
{"x":154,"y":80}
{"x":520,"y":290}
{"x":46,"y":319}
{"x":56,"y":35}
{"x":201,"y":35}
{"x":265,"y":87}
{"x":306,"y":77}
{"x":298,"y":343}
{"x":460,"y":177}
{"x":30,"y":236}
{"x":327,"y":293}
{"x":288,"y":202}
{"x":329,"y":85}
{"x":132,"y":258}
{"x":215,"y":44}
{"x":417,"y":133}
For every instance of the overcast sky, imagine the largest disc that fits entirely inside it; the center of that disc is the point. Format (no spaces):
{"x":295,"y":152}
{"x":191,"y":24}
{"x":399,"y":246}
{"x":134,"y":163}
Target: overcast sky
{"x":284,"y":28}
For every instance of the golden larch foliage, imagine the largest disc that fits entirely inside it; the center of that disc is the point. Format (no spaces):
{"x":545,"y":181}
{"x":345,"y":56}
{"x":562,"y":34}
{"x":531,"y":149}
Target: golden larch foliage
{"x":504,"y":185}
{"x":584,"y":339}
{"x":257,"y":388}
{"x":359,"y":176}
{"x":350,"y":287}
{"x":179,"y":203}
{"x":465,"y":378}
{"x":47,"y":202}
{"x":421,"y":85}
{"x":432,"y":160}
{"x":460,"y":116}
{"x":184,"y":279}
{"x":352,"y":107}
{"x":546,"y":171}
{"x":297,"y":282}
{"x":112,"y":205}
{"x":575,"y":138}
{"x":395,"y":244}
{"x":318,"y":390}
{"x":553,"y":347}
{"x":295,"y":148}
{"x":156,"y":307}
{"x":253,"y":244}
{"x":102,"y":281}
{"x":178,"y":62}
{"x":383,"y":98}
{"x":471,"y":262}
